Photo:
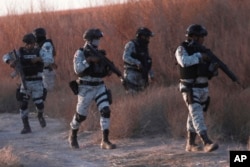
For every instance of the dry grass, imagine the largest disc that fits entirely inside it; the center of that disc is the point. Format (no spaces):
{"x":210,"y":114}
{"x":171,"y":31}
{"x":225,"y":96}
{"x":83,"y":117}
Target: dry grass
{"x":160,"y":109}
{"x":8,"y":159}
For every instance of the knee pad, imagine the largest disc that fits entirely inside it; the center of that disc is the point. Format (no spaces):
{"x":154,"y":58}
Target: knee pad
{"x":79,"y":118}
{"x":24,"y":105}
{"x":40,"y":106}
{"x":105,"y":112}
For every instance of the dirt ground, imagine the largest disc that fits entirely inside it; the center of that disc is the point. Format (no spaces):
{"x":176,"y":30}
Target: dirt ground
{"x":48,"y":147}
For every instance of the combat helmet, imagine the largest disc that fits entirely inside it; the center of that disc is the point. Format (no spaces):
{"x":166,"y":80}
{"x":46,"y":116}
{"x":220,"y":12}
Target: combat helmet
{"x":196,"y":30}
{"x":144,"y":31}
{"x":29,"y":38}
{"x":39,"y":32}
{"x":91,"y":34}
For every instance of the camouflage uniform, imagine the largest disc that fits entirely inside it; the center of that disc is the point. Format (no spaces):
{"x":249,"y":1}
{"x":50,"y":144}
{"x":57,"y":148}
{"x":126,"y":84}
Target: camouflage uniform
{"x":32,"y":66}
{"x":90,"y":88}
{"x":137,"y":62}
{"x":195,"y":71}
{"x":46,"y":47}
{"x":90,"y":70}
{"x":195,"y":121}
{"x":49,"y":74}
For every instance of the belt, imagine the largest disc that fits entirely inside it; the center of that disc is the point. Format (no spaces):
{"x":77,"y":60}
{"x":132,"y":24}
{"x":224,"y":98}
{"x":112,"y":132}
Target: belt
{"x":90,"y":83}
{"x":33,"y":79}
{"x":195,"y":85}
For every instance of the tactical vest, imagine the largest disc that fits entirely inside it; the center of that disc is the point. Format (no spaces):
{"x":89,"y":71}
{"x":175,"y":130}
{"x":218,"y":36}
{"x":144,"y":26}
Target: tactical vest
{"x":97,"y":70}
{"x":29,"y":68}
{"x":142,"y":55}
{"x":197,"y":70}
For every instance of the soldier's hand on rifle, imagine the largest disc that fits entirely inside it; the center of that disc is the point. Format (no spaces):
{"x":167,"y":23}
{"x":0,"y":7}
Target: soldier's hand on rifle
{"x":36,"y":59}
{"x":205,"y":57}
{"x":12,"y":63}
{"x":93,"y":59}
{"x":216,"y":66}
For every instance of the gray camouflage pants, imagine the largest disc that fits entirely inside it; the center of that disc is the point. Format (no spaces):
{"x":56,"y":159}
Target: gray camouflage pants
{"x":35,"y":92}
{"x":49,"y":77}
{"x":135,"y":81}
{"x":86,"y":95}
{"x":195,"y":120}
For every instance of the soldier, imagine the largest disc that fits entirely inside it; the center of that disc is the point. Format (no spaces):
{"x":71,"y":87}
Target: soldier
{"x":46,"y":46}
{"x":195,"y":72}
{"x":137,"y":61}
{"x":31,"y":63}
{"x":90,"y":70}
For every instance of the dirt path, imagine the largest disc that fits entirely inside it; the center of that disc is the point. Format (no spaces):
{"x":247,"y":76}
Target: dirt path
{"x":48,"y":147}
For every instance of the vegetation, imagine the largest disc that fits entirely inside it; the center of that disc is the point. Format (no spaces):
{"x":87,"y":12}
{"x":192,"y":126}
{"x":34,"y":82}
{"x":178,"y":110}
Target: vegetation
{"x":8,"y":159}
{"x":160,"y":109}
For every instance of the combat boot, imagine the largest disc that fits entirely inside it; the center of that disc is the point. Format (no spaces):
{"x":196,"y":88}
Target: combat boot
{"x":41,"y":119}
{"x":191,"y":145}
{"x":73,"y":139}
{"x":208,"y":144}
{"x":106,"y":144}
{"x":26,"y":126}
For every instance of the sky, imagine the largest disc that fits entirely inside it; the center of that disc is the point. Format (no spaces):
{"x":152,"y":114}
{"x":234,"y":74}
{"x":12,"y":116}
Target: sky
{"x":29,"y":6}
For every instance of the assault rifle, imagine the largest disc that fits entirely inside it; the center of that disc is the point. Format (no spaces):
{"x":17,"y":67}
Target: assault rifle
{"x":214,"y":59}
{"x":107,"y":61}
{"x":18,"y":69}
